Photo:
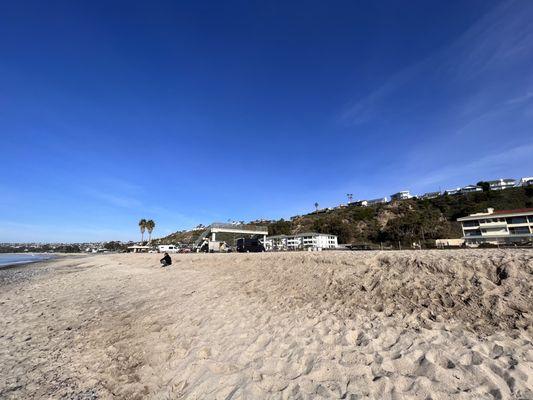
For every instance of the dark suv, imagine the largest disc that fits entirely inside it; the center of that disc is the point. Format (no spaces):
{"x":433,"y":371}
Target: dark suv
{"x":249,"y":246}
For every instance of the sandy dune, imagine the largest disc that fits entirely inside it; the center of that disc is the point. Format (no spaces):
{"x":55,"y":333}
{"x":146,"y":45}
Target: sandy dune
{"x":383,"y":325}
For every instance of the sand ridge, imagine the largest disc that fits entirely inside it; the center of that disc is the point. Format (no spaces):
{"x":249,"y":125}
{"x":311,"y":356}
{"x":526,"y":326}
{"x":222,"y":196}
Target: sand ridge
{"x":383,"y":325}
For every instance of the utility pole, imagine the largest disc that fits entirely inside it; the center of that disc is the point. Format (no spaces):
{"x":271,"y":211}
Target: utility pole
{"x":399,"y":245}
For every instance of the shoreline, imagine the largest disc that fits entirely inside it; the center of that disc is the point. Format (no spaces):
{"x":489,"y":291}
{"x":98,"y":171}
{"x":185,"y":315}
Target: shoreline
{"x":52,"y":258}
{"x":39,"y":257}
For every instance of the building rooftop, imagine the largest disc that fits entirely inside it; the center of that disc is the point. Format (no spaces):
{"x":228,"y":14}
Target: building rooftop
{"x":515,"y":211}
{"x":299,"y":235}
{"x":490,"y":211}
{"x":506,"y":180}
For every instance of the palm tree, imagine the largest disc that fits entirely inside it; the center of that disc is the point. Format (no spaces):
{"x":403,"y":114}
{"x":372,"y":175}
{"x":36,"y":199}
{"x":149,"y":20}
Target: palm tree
{"x":316,"y":206}
{"x":150,"y":225}
{"x":142,"y":227}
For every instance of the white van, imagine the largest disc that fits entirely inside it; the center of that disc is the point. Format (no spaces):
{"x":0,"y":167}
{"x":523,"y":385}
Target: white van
{"x":167,"y":248}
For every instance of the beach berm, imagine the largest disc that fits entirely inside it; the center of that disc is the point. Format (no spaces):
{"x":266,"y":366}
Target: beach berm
{"x":452,"y":324}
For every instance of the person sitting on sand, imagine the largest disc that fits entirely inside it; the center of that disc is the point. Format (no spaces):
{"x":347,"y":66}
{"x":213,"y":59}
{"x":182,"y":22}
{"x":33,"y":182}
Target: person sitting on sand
{"x":166,"y":260}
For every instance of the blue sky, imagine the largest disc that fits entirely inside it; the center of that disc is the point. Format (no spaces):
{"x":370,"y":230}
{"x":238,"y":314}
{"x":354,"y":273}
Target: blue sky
{"x":194,"y":112}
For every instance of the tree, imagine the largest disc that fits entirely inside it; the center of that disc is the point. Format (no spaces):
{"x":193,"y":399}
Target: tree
{"x":280,"y":227}
{"x":115,"y":246}
{"x":484,"y":185}
{"x":142,"y":227}
{"x":150,"y":225}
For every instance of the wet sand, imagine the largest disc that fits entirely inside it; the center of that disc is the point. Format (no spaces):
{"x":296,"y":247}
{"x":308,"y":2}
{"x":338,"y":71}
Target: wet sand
{"x":382,"y":325}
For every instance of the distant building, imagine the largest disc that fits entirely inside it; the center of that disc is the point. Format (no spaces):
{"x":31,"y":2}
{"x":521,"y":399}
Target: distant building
{"x":382,"y":200}
{"x":403,"y":195}
{"x":452,"y":191}
{"x":471,"y":189}
{"x":498,"y":227}
{"x":430,"y":195}
{"x":501,"y":184}
{"x":301,"y":241}
{"x":526,"y":181}
{"x":359,"y":203}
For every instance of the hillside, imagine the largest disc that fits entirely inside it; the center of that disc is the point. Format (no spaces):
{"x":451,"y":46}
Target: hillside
{"x":405,"y":221}
{"x":179,"y":237}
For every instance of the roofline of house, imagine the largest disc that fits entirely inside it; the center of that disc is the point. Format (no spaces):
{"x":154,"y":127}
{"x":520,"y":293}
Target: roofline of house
{"x":500,"y":213}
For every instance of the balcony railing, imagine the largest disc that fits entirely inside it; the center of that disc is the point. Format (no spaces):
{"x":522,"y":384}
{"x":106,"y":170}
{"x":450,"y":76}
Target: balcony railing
{"x":492,"y":224}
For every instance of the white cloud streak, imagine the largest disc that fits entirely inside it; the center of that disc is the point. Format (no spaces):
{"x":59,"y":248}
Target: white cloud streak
{"x":480,"y":167}
{"x":500,"y":40}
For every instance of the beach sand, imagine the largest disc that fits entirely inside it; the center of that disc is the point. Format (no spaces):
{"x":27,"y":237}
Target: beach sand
{"x":382,"y":325}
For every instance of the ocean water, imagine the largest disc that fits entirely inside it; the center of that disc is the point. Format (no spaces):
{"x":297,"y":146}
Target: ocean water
{"x":21,"y":258}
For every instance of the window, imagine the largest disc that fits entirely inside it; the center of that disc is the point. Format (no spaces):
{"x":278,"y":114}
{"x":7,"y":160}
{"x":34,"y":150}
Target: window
{"x":521,"y":230}
{"x":470,"y":224}
{"x":517,"y":220}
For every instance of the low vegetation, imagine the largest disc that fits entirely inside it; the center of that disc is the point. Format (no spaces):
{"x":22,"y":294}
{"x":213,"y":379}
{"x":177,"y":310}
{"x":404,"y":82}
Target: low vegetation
{"x":406,"y":221}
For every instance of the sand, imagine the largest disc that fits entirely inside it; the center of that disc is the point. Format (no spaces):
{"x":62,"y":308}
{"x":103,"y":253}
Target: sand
{"x":381,"y":325}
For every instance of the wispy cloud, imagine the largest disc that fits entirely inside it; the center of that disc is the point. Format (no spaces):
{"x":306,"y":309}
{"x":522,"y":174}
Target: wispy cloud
{"x":115,"y":192}
{"x":480,"y":168}
{"x":112,"y":198}
{"x":521,"y":99}
{"x":473,"y":72}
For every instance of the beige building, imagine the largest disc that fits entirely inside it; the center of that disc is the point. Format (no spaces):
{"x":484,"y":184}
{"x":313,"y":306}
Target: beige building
{"x":498,"y":227}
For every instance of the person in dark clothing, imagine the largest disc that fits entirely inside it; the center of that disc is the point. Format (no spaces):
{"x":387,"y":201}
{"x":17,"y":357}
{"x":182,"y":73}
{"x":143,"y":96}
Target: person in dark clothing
{"x":166,"y":260}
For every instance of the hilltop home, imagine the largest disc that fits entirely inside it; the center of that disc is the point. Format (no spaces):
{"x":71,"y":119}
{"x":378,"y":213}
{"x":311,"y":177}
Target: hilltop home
{"x":501,"y":184}
{"x":402,"y":195}
{"x":382,"y":200}
{"x":498,"y":227}
{"x":528,"y":181}
{"x":430,"y":195}
{"x":452,"y":191}
{"x":471,"y":188}
{"x":301,"y":241}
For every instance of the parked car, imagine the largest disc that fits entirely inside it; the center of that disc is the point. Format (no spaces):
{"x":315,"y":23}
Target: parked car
{"x":249,"y":246}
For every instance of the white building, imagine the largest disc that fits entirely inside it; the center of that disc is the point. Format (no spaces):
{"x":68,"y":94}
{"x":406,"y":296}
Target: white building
{"x":503,"y":226}
{"x":501,"y":184}
{"x":452,"y":191}
{"x":430,"y":195}
{"x":301,"y":241}
{"x":471,"y":189}
{"x":381,"y":200}
{"x":402,"y":195}
{"x":528,"y":181}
